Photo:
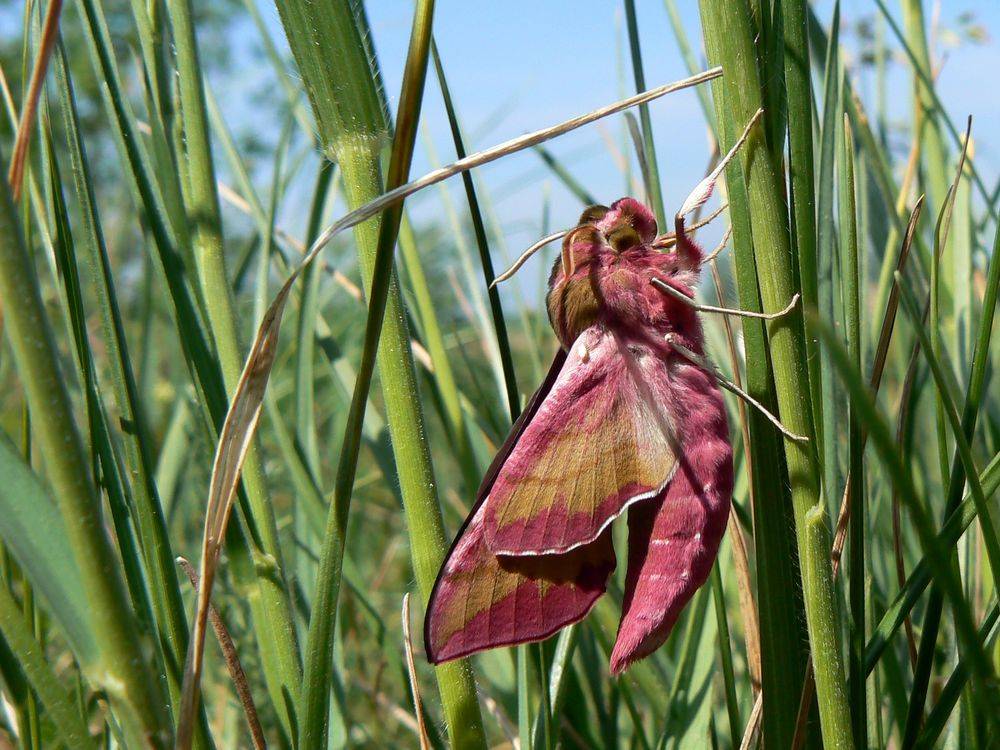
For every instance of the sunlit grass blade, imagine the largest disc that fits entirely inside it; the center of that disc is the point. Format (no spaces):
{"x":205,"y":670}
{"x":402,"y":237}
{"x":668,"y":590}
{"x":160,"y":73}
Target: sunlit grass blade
{"x":778,"y":588}
{"x":649,"y":147}
{"x":778,"y":284}
{"x":851,"y":294}
{"x":901,"y":476}
{"x":119,"y":666}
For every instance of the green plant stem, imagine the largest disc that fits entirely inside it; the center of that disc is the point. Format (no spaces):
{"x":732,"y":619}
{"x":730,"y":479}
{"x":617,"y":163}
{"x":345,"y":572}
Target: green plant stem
{"x":801,"y":174}
{"x":69,"y":724}
{"x":733,"y":28}
{"x":851,"y":292}
{"x":655,"y":188}
{"x":353,"y":130}
{"x":783,"y":635}
{"x":273,"y":620}
{"x":121,"y":668}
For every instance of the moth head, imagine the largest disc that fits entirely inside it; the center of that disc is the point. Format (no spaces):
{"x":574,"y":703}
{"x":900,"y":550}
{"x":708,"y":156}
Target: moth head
{"x":624,"y":225}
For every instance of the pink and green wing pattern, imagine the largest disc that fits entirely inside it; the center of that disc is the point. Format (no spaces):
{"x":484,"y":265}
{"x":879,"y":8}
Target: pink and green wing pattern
{"x":598,"y":443}
{"x":482,"y":600}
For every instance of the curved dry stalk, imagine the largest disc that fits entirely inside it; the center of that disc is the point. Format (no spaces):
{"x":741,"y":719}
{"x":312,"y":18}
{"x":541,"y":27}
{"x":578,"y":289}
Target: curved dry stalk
{"x":47,"y":43}
{"x":244,"y":410}
{"x":703,"y":189}
{"x":411,"y":671}
{"x":678,"y":295}
{"x":233,"y":663}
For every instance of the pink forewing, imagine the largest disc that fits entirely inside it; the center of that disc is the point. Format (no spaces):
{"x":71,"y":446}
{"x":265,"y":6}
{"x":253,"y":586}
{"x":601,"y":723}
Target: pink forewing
{"x":600,"y":441}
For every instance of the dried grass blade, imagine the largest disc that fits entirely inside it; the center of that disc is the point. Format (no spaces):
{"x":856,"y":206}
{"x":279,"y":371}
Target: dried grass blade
{"x":411,"y":671}
{"x":233,"y":664}
{"x":47,"y":42}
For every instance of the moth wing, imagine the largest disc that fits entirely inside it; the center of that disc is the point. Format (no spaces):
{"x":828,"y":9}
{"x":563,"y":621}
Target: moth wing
{"x":674,"y":539}
{"x":484,"y":601}
{"x":599,"y":441}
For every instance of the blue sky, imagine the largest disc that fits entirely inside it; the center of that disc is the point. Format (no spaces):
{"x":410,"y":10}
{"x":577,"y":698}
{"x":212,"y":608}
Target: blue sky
{"x":518,"y":66}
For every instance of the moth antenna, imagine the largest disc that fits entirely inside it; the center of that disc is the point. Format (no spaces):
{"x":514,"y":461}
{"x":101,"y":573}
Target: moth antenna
{"x":523,"y":258}
{"x":704,"y":364}
{"x":665,"y":287}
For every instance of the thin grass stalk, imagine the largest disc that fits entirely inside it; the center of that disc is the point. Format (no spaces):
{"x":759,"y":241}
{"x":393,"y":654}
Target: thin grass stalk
{"x":136,"y":441}
{"x":22,"y":140}
{"x":479,"y":229}
{"x":121,"y":668}
{"x":783,"y":635}
{"x":277,"y":639}
{"x":801,"y":174}
{"x":920,"y":576}
{"x":70,"y":726}
{"x":726,"y":657}
{"x":733,"y":27}
{"x":352,"y":108}
{"x":851,"y":292}
{"x":957,"y":477}
{"x":565,"y":176}
{"x":649,"y":147}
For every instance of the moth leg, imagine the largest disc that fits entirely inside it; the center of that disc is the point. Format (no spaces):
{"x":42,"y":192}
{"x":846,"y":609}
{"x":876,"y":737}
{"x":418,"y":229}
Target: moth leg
{"x":669,"y":239}
{"x":670,"y":291}
{"x":704,"y":364}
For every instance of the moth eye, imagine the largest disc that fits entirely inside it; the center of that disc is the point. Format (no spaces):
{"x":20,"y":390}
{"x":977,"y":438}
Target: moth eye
{"x":622,"y":237}
{"x":593,"y":214}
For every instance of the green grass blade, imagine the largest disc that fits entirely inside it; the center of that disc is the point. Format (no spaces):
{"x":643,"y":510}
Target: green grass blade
{"x":649,"y":147}
{"x":783,"y":635}
{"x":120,"y":668}
{"x":733,"y":30}
{"x":496,"y":308}
{"x":58,"y":702}
{"x":851,"y":294}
